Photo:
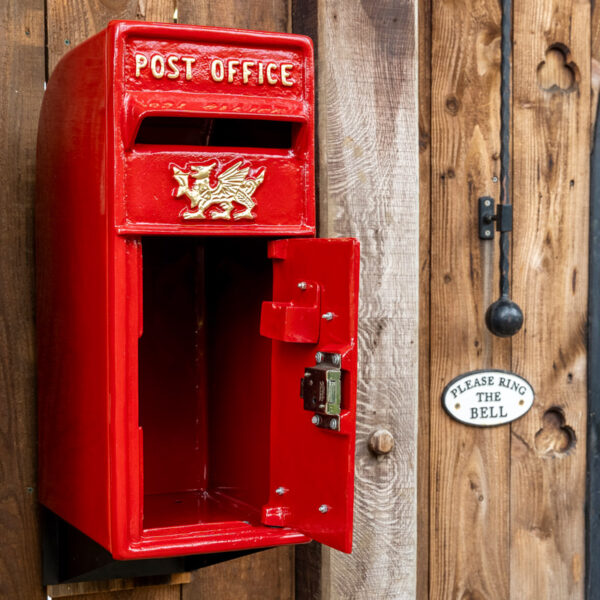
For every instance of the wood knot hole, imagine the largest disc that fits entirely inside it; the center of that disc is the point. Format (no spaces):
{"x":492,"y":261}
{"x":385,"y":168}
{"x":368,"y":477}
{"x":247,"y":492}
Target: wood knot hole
{"x":452,"y":105}
{"x":555,"y":438}
{"x":557,"y":72}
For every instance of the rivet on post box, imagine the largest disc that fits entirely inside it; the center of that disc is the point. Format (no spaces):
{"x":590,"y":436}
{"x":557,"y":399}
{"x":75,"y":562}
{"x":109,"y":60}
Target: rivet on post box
{"x":196,"y":342}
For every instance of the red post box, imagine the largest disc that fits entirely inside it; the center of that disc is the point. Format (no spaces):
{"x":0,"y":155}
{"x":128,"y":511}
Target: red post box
{"x":182,"y":411}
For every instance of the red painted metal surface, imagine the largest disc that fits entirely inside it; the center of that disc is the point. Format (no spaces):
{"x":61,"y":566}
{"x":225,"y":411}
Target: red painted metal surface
{"x":314,"y":467}
{"x":168,"y":157}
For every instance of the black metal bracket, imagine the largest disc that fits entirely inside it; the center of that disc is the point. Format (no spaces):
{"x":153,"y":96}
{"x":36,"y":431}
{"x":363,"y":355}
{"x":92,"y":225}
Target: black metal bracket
{"x":502,"y":214}
{"x":69,"y":556}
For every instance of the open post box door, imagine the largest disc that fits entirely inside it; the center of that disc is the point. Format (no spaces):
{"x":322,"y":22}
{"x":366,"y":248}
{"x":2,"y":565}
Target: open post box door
{"x":313,"y":323}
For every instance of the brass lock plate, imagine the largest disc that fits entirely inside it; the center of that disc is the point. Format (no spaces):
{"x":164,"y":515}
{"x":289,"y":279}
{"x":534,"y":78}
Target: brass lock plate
{"x":321,"y":390}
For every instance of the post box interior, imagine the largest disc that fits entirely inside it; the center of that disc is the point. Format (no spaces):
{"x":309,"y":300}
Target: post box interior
{"x":204,"y":381}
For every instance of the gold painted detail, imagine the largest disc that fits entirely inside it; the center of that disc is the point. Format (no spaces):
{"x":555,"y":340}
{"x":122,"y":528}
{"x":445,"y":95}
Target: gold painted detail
{"x":233,"y":186}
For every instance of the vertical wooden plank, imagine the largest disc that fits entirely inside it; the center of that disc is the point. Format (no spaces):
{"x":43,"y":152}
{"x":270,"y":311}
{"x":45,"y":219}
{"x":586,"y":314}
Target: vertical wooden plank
{"x":469,"y":486}
{"x":368,"y":149}
{"x":264,"y":15}
{"x":266,"y":575}
{"x":423,"y":507}
{"x":159,"y":11}
{"x":21,"y":89}
{"x":551,"y":184}
{"x":69,"y":23}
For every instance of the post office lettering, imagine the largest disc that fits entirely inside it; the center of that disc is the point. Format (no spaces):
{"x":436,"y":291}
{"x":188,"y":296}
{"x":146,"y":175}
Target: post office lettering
{"x":232,"y":70}
{"x":161,"y":66}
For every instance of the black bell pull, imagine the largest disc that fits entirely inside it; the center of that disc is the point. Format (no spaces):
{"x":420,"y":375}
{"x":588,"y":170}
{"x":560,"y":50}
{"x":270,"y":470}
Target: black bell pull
{"x":503,"y":317}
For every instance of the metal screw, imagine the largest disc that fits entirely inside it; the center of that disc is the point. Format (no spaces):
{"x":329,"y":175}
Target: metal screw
{"x":303,"y":285}
{"x":280,"y":491}
{"x":488,"y":233}
{"x":319,"y":357}
{"x":495,"y":179}
{"x":333,"y":424}
{"x":323,"y":508}
{"x":486,"y":202}
{"x":336,"y":359}
{"x":327,"y":316}
{"x":316,"y":420}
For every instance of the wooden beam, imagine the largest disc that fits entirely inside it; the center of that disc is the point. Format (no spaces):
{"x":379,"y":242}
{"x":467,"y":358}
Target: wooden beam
{"x":368,"y":153}
{"x":551,"y":128}
{"x":87,"y":588}
{"x":21,"y":90}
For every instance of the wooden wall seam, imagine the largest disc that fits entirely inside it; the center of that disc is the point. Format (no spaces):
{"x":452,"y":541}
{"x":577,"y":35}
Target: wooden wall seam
{"x":425,"y":231}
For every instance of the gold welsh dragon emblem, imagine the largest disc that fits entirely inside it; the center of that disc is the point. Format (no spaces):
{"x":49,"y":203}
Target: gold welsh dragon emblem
{"x":233,"y":187}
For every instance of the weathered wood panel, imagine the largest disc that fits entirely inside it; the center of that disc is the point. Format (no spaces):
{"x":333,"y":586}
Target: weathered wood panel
{"x":368,"y":149}
{"x":21,"y":89}
{"x":551,"y":120}
{"x":264,"y":15}
{"x":469,"y":468}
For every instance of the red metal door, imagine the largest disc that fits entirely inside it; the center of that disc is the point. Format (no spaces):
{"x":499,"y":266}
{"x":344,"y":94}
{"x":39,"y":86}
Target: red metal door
{"x":313,"y":323}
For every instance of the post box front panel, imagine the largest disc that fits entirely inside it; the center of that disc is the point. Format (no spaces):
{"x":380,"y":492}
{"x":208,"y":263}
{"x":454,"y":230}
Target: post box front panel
{"x":262,"y":192}
{"x":214,"y":131}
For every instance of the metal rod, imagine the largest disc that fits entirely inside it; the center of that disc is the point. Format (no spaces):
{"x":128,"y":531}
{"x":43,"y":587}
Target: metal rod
{"x":505,"y":71}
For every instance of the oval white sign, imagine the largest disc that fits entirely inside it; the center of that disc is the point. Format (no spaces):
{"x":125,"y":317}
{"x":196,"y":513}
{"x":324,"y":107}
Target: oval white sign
{"x":486,"y":398}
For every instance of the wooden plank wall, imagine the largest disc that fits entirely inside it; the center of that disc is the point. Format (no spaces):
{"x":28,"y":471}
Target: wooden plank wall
{"x":506,"y":505}
{"x":368,"y":152}
{"x":268,"y":575}
{"x":501,"y":510}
